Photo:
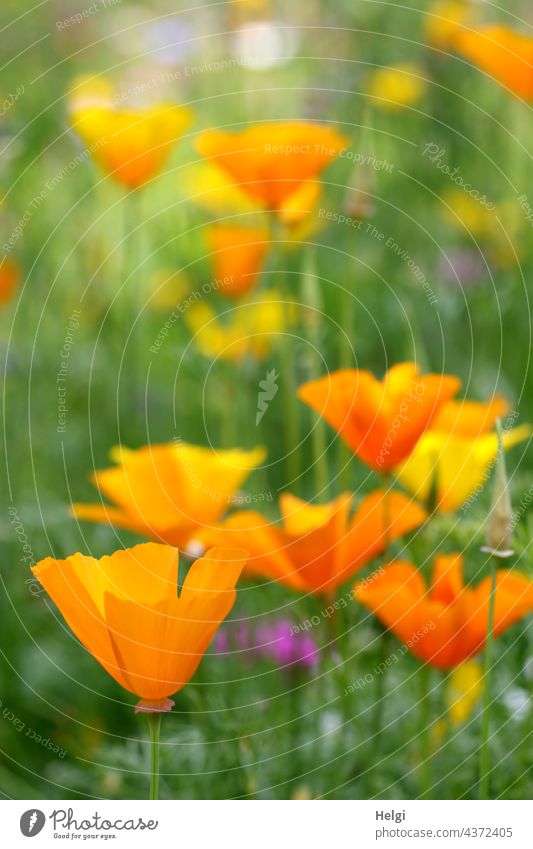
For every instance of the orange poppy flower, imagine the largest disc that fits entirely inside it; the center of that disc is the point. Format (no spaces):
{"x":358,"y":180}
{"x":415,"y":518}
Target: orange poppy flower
{"x":447,"y":623}
{"x":126,"y":611}
{"x":131,"y":144}
{"x":319,"y":546}
{"x":166,"y":492}
{"x":9,"y":278}
{"x":504,"y":53}
{"x":381,"y":421}
{"x":271,"y":161}
{"x":238,"y":254}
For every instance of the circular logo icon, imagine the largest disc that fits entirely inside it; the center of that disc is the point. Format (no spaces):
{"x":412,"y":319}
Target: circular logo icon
{"x":32,"y":822}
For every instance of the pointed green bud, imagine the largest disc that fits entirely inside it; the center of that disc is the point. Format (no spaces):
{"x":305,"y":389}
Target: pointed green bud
{"x":499,"y":526}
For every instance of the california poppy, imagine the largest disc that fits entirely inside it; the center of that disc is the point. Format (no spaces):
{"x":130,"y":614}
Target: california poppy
{"x":319,"y":546}
{"x":126,"y":610}
{"x":238,"y":254}
{"x":453,"y":458}
{"x":446,"y":623}
{"x":166,"y":492}
{"x":396,"y":87}
{"x":444,"y":19}
{"x":504,"y":53}
{"x":270,"y":161}
{"x":130,"y":144}
{"x":381,"y":421}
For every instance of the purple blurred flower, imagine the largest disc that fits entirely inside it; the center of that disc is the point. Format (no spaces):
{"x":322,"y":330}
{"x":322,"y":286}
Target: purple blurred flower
{"x":277,"y":640}
{"x":461,"y":268}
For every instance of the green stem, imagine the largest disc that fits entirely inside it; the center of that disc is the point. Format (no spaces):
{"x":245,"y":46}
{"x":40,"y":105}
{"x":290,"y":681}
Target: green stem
{"x":484,"y":752}
{"x":311,"y":297}
{"x":154,"y":726}
{"x":425,"y":731}
{"x":291,"y":429}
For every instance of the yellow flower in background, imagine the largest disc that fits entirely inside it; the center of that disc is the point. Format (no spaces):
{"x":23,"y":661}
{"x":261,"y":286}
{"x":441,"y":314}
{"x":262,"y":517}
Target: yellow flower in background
{"x":298,"y":215}
{"x":443,"y":20}
{"x":453,"y":459}
{"x":249,"y":329}
{"x":131,"y":144}
{"x":212,"y":189}
{"x":168,"y":288}
{"x":398,"y":86}
{"x":497,"y":226}
{"x":87,"y":90}
{"x":463,"y":691}
{"x":167,"y":492}
{"x":465,"y":212}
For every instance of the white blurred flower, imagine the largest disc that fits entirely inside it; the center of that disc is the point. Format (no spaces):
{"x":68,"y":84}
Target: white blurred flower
{"x":330,"y":722}
{"x":264,"y":44}
{"x":517,"y":702}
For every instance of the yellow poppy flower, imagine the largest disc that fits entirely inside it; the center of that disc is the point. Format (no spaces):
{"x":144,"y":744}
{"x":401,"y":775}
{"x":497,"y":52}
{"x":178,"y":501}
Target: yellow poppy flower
{"x":393,"y":88}
{"x":463,"y":690}
{"x":453,"y":459}
{"x":443,"y":21}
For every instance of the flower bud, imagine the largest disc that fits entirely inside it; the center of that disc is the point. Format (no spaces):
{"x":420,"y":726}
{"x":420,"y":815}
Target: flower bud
{"x":499,"y":526}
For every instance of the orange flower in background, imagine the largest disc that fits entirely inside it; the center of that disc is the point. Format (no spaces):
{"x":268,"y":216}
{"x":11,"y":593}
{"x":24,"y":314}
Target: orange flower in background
{"x":9,"y":278}
{"x":380,"y":420}
{"x":126,"y":611}
{"x":470,"y":418}
{"x":271,"y":161}
{"x":238,"y":255}
{"x":317,"y":547}
{"x":166,"y":492}
{"x":446,"y":623}
{"x":505,"y":54}
{"x":131,"y":144}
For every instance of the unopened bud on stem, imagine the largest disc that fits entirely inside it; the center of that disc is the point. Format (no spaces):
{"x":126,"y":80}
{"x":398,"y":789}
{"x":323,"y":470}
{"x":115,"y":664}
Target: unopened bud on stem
{"x":499,"y":526}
